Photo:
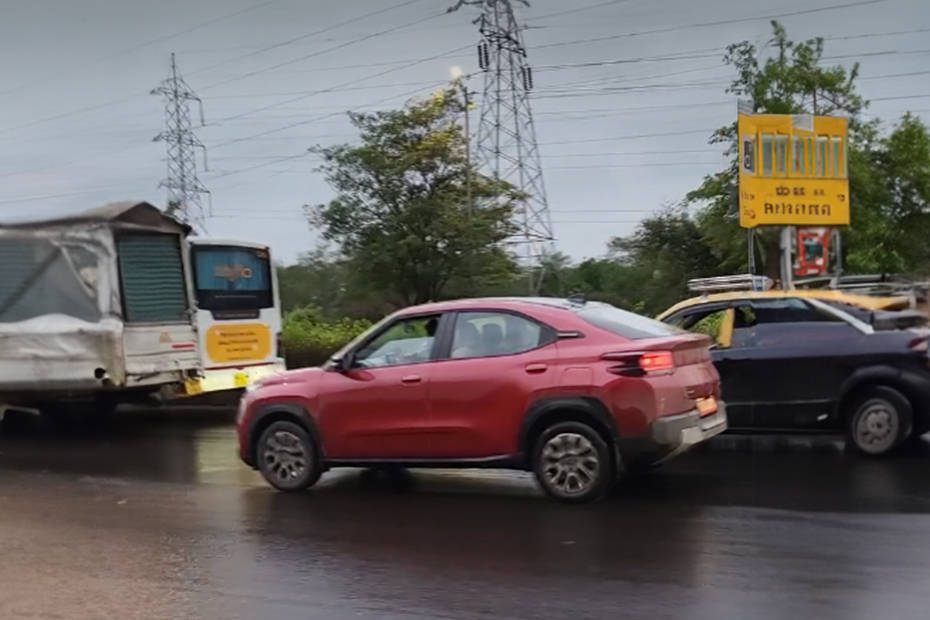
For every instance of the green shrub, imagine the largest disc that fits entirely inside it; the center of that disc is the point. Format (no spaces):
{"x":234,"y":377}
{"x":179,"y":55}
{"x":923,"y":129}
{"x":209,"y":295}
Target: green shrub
{"x":309,"y":338}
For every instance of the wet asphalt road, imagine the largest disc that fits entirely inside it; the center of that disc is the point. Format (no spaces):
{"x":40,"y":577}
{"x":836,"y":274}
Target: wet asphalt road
{"x":153,"y":517}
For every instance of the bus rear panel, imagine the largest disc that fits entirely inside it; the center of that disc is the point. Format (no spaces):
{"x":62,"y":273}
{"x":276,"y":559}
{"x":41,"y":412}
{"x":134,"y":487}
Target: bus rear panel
{"x":238,"y":313}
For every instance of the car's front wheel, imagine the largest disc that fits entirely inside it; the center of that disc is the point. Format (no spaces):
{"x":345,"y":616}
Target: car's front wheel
{"x":572,"y":463}
{"x":288,"y":457}
{"x":879,"y":421}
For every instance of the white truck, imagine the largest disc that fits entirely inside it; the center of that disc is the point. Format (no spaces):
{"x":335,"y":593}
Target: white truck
{"x":97,"y":306}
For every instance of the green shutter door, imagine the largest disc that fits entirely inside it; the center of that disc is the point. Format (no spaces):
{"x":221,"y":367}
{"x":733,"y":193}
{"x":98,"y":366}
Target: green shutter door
{"x":152,"y":278}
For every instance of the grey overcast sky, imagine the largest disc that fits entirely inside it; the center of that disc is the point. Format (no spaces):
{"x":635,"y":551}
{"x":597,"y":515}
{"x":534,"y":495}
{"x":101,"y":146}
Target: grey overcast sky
{"x":77,"y":119}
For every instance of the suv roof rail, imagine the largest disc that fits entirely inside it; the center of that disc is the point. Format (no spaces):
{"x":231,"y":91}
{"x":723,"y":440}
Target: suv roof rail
{"x":745,"y":282}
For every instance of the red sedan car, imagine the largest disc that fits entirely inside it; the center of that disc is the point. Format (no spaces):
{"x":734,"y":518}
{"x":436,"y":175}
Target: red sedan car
{"x":577,"y":392}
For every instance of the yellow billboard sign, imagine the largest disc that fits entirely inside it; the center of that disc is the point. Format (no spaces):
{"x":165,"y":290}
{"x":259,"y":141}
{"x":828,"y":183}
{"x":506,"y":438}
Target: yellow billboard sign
{"x":792,"y":170}
{"x":239,"y":342}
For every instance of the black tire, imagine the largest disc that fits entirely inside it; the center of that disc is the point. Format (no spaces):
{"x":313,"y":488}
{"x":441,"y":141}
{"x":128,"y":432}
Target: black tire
{"x":572,"y":463}
{"x":879,"y":421}
{"x":288,"y":457}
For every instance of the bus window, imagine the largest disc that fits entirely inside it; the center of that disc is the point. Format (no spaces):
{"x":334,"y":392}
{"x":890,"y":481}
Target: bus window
{"x":781,"y":155}
{"x":767,"y":144}
{"x":232,"y":278}
{"x":839,"y":158}
{"x":749,"y":154}
{"x":797,"y":166}
{"x":822,"y":153}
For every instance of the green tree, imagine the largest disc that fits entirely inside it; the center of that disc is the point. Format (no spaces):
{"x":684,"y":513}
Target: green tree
{"x":667,"y":249}
{"x":890,"y":200}
{"x":409,"y":216}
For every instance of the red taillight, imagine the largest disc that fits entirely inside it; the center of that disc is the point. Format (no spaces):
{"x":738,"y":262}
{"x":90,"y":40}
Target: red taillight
{"x":654,"y":361}
{"x":639,"y":364}
{"x":918,"y":345}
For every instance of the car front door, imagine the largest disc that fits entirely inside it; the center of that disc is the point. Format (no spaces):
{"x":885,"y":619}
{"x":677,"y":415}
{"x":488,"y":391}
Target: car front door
{"x":496,"y":361}
{"x":377,"y":407}
{"x":796,"y":361}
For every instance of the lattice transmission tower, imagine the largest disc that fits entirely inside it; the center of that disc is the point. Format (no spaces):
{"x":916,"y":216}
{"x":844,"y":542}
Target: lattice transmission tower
{"x":185,"y":191}
{"x":507,"y":146}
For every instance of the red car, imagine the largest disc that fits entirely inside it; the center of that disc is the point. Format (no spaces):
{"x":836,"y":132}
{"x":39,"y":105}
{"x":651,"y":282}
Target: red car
{"x":577,"y":392}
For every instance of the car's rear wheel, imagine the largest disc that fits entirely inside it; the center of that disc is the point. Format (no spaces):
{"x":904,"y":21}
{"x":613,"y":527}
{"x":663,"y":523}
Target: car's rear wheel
{"x":879,"y":421}
{"x":288,"y":457}
{"x":572,"y":463}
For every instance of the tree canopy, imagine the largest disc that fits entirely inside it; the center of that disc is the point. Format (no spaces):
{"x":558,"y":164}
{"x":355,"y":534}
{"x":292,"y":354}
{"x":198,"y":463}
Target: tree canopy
{"x":410,"y":216}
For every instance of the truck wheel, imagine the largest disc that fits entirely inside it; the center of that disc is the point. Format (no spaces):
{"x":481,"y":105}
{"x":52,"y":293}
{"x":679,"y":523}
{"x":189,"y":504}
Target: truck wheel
{"x":879,"y":421}
{"x":572,"y":463}
{"x":288,"y":457}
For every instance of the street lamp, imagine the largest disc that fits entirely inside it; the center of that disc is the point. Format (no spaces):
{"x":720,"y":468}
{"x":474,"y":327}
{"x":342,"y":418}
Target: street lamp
{"x":458,"y":81}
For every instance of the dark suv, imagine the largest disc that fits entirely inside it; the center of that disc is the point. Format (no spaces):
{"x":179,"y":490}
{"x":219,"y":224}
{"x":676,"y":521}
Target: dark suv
{"x":577,"y":392}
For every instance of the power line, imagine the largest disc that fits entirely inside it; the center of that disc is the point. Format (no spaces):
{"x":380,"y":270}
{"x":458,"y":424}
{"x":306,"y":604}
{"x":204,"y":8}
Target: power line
{"x":344,"y":84}
{"x":578,"y":10}
{"x":631,"y":137}
{"x":721,"y":22}
{"x":67,"y":194}
{"x":334,"y":90}
{"x":665,"y":164}
{"x":612,"y":153}
{"x":160,"y":39}
{"x":323,"y":51}
{"x":307,"y":35}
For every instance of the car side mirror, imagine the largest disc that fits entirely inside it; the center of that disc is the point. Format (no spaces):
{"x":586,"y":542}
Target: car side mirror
{"x":340,"y":364}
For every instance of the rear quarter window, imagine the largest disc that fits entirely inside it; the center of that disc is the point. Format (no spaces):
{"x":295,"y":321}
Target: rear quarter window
{"x":625,"y":323}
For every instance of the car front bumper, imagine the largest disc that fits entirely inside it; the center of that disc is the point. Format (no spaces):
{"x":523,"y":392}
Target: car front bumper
{"x":679,"y":433}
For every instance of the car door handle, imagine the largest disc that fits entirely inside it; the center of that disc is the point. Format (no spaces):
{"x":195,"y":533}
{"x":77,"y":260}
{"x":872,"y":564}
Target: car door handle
{"x":536,"y":368}
{"x":411,"y":379}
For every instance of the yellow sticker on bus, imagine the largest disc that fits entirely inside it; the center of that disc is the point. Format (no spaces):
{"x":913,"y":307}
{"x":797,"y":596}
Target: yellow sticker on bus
{"x":793,"y":170}
{"x":238,"y":342}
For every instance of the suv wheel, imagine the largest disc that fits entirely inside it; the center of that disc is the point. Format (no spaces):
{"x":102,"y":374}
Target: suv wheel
{"x":572,"y":463}
{"x":287,"y":457}
{"x":879,"y":421}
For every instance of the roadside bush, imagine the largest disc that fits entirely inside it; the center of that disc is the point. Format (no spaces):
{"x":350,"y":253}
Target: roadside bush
{"x":309,"y":338}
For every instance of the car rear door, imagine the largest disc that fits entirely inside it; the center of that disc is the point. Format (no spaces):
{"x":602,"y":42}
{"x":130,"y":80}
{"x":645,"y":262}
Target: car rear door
{"x":494,"y":362}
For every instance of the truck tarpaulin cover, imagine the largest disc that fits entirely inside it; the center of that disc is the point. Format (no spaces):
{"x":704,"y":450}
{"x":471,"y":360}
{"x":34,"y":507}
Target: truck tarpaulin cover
{"x":59,"y":307}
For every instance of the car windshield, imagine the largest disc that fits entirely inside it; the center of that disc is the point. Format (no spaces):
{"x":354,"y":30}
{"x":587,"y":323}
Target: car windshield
{"x":625,"y":323}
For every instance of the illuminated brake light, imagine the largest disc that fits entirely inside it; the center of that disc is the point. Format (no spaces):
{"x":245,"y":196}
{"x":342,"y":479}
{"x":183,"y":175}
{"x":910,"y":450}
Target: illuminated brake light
{"x":639,"y":364}
{"x":655,"y":361}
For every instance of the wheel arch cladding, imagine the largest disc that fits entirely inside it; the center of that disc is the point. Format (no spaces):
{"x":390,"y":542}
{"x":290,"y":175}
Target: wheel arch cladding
{"x":589,"y":411}
{"x":282,"y":412}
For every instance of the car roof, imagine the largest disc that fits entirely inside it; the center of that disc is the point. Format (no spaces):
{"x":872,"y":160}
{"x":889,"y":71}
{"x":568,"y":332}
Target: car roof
{"x":504,"y":303}
{"x":862,"y":301}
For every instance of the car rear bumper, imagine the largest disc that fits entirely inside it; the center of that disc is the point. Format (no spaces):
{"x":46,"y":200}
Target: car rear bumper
{"x":678,"y":433}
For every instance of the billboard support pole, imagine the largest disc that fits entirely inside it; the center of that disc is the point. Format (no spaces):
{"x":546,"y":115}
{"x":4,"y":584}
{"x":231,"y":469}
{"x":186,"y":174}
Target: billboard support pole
{"x":787,"y":282}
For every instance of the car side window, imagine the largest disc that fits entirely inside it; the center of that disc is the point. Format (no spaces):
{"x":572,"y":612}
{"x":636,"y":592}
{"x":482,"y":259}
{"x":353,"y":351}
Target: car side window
{"x":708,"y":321}
{"x":406,"y":341}
{"x":764,"y":323}
{"x":486,"y":334}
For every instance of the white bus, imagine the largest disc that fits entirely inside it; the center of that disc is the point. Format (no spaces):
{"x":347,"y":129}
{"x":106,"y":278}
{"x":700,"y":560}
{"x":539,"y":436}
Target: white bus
{"x":238,"y":315}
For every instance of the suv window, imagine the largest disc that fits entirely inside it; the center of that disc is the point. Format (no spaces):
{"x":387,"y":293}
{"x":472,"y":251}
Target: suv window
{"x":485,"y":334}
{"x":406,"y":341}
{"x":626,"y":324}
